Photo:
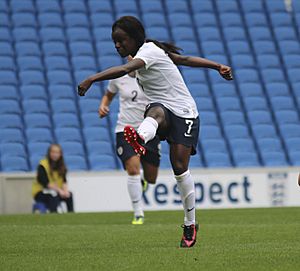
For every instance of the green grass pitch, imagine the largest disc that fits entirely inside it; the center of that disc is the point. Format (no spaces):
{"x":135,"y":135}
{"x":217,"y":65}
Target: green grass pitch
{"x":232,"y":239}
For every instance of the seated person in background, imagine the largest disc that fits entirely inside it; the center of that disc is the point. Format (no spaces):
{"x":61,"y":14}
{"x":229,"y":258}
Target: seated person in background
{"x":50,"y":186}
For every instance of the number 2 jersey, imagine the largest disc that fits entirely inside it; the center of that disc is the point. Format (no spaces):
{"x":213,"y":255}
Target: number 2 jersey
{"x":162,"y":82}
{"x":132,"y":102}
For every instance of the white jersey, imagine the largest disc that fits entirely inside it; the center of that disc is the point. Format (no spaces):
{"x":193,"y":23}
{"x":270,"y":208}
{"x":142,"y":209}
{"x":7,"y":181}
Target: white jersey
{"x":162,"y":82}
{"x":132,"y":102}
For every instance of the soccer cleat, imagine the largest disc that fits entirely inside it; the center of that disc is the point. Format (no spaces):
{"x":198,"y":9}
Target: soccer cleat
{"x":132,"y":138}
{"x":138,"y":220}
{"x":189,"y":235}
{"x":144,"y":184}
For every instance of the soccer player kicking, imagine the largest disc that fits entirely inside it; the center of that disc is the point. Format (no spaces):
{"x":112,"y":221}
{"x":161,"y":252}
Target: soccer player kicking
{"x":171,"y":113}
{"x":131,"y":110}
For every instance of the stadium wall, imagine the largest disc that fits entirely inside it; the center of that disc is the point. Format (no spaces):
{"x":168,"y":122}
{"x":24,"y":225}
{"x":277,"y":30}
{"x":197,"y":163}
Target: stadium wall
{"x":215,"y":188}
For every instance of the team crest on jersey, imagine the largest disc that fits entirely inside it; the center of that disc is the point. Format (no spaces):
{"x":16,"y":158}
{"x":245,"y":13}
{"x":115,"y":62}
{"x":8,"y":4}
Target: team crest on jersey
{"x":120,"y":150}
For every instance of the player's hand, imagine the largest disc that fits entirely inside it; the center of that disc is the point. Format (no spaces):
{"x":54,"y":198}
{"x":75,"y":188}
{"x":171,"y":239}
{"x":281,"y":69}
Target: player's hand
{"x":103,"y":111}
{"x":84,"y":86}
{"x":225,"y":72}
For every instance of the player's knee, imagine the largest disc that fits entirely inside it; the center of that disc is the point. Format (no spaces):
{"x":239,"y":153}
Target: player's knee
{"x":179,"y":167}
{"x":157,"y":113}
{"x":132,"y":170}
{"x":151,"y":179}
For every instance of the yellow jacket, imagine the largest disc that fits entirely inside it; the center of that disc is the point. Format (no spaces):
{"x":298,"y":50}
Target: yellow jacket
{"x":53,"y":178}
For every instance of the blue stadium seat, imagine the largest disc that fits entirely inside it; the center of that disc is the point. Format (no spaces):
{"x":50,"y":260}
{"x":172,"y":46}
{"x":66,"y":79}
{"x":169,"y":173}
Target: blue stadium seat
{"x":269,"y":144}
{"x":282,"y":103}
{"x":286,"y":116}
{"x":7,"y":63}
{"x":263,"y":47}
{"x":264,"y":131}
{"x":75,"y":162}
{"x":22,"y":6}
{"x":12,"y":149}
{"x":14,"y":164}
{"x":78,"y":34}
{"x":81,"y":75}
{"x":99,"y":147}
{"x":194,"y":75}
{"x":25,"y":34}
{"x":50,"y":19}
{"x":8,"y":92}
{"x":208,"y":34}
{"x":275,"y":6}
{"x":290,"y":130}
{"x":47,"y":6}
{"x":125,"y":6}
{"x":102,"y":19}
{"x":89,"y":105}
{"x":198,"y":89}
{"x":80,"y":48}
{"x":260,"y":33}
{"x":247,"y":76}
{"x":294,"y":157}
{"x":109,"y":61}
{"x":277,"y":89}
{"x":52,"y":34}
{"x":241,"y":145}
{"x":176,"y":6}
{"x":195,"y":161}
{"x":294,"y":75}
{"x":161,"y":33}
{"x":213,"y":145}
{"x":256,"y":19}
{"x":291,"y":61}
{"x":73,"y":6}
{"x":5,"y":34}
{"x":30,"y":63}
{"x":212,"y":47}
{"x":57,"y":63}
{"x":259,"y":117}
{"x":35,"y":106}
{"x":68,"y":134}
{"x":268,"y":61}
{"x":151,"y":6}
{"x":93,"y":120}
{"x":8,"y":78}
{"x":230,"y":19}
{"x":102,"y":34}
{"x":39,"y":135}
{"x":289,"y":47}
{"x":281,"y":19}
{"x":250,"y":89}
{"x":72,"y":148}
{"x":31,"y":77}
{"x":8,"y":120}
{"x":180,"y":19}
{"x":245,"y":159}
{"x":84,"y":63}
{"x":296,"y":89}
{"x":189,"y":47}
{"x":292,"y":144}
{"x":236,"y":47}
{"x":95,"y":6}
{"x":6,"y":49}
{"x":37,"y":120}
{"x":61,"y":120}
{"x":273,"y":75}
{"x":96,"y":134}
{"x":38,"y":148}
{"x":232,"y":117}
{"x":228,"y":104}
{"x":284,"y":33}
{"x":234,"y":33}
{"x":59,"y":77}
{"x":274,"y":159}
{"x":217,"y":160}
{"x":55,"y":48}
{"x":205,"y":20}
{"x":208,"y":118}
{"x":204,"y":104}
{"x":3,"y":6}
{"x":33,"y":92}
{"x":76,"y":20}
{"x":11,"y":135}
{"x":63,"y":106}
{"x":9,"y":106}
{"x":242,"y":61}
{"x":27,"y":48}
{"x":205,"y":7}
{"x":236,"y":131}
{"x":228,"y":6}
{"x":61,"y":92}
{"x":102,"y":162}
{"x":210,"y":132}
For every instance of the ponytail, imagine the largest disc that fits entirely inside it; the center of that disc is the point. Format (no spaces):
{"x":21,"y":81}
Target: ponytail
{"x":167,"y":47}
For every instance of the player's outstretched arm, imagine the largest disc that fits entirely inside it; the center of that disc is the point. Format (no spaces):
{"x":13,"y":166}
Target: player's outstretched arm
{"x":194,"y":61}
{"x":111,"y":73}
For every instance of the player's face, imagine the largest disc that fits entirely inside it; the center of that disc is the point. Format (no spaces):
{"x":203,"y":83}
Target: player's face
{"x":124,"y":44}
{"x":55,"y":153}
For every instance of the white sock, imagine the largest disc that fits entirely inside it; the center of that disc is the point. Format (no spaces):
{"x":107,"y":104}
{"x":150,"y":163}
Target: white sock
{"x":147,"y":129}
{"x":135,"y":192}
{"x":186,"y":187}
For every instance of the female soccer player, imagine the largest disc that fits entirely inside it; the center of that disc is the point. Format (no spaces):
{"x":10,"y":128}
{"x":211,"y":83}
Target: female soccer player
{"x":50,"y":186}
{"x":131,"y":109}
{"x":171,"y":113}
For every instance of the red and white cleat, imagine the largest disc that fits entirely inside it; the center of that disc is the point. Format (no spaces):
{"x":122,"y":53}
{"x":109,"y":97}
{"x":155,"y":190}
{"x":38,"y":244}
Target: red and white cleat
{"x":134,"y":140}
{"x":189,"y":236}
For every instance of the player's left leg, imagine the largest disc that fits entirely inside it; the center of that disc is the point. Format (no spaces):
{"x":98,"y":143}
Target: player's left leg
{"x":180,"y":156}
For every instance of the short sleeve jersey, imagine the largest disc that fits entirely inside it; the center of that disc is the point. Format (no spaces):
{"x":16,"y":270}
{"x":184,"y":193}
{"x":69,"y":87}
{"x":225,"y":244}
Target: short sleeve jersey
{"x":162,"y":82}
{"x":131,"y":99}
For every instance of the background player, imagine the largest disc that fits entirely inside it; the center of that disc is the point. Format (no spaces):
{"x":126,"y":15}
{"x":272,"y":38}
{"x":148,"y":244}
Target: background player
{"x":172,"y":112}
{"x":132,"y":103}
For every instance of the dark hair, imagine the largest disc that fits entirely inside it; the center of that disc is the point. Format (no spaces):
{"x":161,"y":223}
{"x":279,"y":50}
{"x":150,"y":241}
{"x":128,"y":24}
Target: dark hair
{"x":58,"y":165}
{"x":134,"y":28}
